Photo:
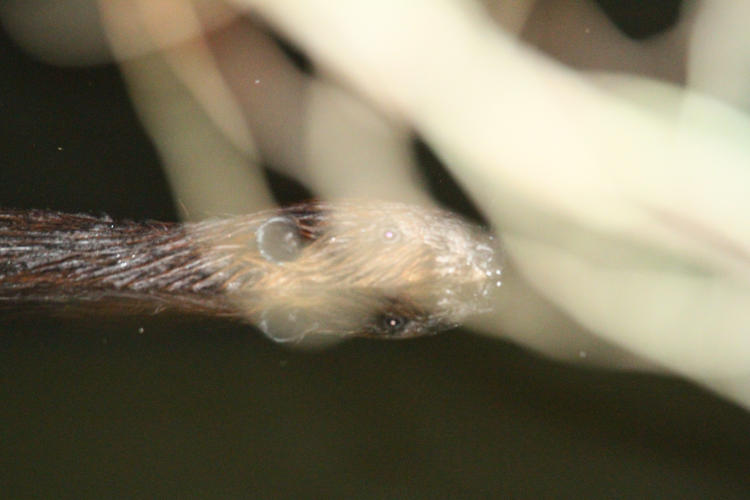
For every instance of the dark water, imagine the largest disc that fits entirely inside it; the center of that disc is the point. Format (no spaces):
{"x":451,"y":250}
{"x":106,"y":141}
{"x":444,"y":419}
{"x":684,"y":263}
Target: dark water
{"x":187,"y":407}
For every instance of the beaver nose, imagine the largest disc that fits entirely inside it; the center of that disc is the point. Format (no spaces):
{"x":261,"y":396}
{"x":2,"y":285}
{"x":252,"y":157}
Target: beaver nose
{"x":483,"y":253}
{"x":488,"y":258}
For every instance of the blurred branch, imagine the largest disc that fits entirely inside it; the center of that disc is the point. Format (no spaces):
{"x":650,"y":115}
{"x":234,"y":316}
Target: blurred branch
{"x":622,"y":199}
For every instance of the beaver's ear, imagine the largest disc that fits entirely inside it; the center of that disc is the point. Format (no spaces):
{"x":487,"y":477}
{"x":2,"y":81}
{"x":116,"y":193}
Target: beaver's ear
{"x":279,"y":239}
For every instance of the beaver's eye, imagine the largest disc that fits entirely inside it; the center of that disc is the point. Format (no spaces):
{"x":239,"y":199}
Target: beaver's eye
{"x":391,"y":235}
{"x":393,"y":324}
{"x":279,"y":240}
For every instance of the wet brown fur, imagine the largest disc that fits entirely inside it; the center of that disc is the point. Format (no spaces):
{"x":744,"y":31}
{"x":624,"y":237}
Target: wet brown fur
{"x":347,"y":278}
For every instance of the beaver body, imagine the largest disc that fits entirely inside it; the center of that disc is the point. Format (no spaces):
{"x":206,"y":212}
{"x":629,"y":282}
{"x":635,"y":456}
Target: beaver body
{"x":346,"y":268}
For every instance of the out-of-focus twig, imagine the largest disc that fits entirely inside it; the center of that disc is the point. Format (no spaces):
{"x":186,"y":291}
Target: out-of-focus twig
{"x":622,"y":200}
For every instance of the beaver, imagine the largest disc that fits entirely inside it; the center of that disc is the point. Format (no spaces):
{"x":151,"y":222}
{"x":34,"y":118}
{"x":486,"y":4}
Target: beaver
{"x":353,"y":267}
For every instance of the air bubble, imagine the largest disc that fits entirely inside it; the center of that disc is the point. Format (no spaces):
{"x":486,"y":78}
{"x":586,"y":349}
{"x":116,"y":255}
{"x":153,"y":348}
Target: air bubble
{"x":279,"y":240}
{"x":282,"y":324}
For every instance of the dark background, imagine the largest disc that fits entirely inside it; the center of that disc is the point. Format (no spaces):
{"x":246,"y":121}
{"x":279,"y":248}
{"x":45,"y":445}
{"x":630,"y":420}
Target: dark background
{"x":190,"y":407}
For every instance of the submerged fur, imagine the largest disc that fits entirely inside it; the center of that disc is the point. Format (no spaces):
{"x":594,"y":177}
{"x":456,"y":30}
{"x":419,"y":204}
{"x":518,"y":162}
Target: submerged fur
{"x":347,"y":268}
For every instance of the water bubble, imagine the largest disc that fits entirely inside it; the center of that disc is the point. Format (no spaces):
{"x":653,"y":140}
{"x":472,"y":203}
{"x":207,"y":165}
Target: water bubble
{"x":283,"y":324}
{"x":279,"y":240}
